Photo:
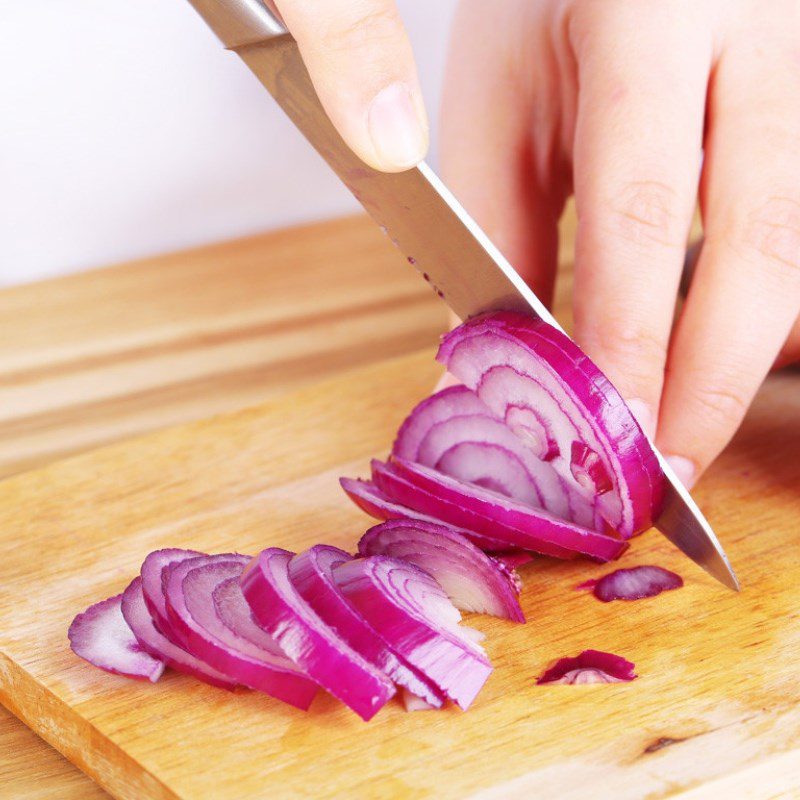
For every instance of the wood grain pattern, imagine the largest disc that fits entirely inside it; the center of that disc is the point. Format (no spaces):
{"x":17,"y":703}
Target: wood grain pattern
{"x":717,"y":692}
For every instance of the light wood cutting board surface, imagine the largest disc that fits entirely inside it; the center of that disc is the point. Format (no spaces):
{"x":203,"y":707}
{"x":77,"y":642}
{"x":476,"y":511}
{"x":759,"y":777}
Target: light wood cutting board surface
{"x":717,"y":694}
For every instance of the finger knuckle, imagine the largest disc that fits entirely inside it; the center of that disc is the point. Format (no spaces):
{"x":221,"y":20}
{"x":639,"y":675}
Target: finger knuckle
{"x":771,"y":234}
{"x":720,"y":403}
{"x":369,"y":26}
{"x":647,"y":212}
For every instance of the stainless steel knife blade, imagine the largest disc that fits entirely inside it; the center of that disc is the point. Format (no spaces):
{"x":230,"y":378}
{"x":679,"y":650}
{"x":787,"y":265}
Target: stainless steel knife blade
{"x":426,"y":223}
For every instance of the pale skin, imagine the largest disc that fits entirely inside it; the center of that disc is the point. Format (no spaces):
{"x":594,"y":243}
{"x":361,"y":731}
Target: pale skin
{"x":639,"y":108}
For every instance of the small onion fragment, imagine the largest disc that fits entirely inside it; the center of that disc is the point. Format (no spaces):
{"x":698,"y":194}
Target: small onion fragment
{"x":136,"y":614}
{"x":189,"y":590}
{"x":472,"y":580}
{"x":591,"y":666}
{"x":635,"y":583}
{"x":311,"y":574}
{"x":307,"y":640}
{"x":409,"y":608}
{"x":101,"y":636}
{"x":475,"y":508}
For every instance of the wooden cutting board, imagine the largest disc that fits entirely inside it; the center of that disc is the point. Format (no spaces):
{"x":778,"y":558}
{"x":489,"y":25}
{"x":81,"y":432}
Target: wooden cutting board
{"x":715,"y":712}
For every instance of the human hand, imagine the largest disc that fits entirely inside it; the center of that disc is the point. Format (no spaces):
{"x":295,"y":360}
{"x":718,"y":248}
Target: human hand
{"x":362,"y":67}
{"x":617,"y":100}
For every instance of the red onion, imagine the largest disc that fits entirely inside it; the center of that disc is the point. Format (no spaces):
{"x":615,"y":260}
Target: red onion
{"x":472,"y":580}
{"x":311,"y":573}
{"x":370,"y":499}
{"x":152,"y":586}
{"x":591,"y":666}
{"x":189,"y":588}
{"x":307,"y":640}
{"x":101,"y":636}
{"x":409,"y":608}
{"x":154,"y":642}
{"x":634,"y":583}
{"x":475,"y":508}
{"x":530,"y":374}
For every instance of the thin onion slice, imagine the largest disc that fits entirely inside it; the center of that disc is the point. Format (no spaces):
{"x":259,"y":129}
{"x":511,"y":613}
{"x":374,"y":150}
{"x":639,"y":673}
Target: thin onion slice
{"x":101,"y":636}
{"x":189,"y":590}
{"x":311,"y":573}
{"x":314,"y":646}
{"x":370,"y":499}
{"x":590,"y":666}
{"x":521,"y":366}
{"x":153,"y":588}
{"x":136,"y":614}
{"x":472,"y":580}
{"x":479,"y":509}
{"x":409,"y":608}
{"x":634,"y":583}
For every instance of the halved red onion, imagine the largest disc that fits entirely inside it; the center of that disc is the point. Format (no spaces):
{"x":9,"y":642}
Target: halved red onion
{"x":410,"y":610}
{"x":189,"y":590}
{"x":521,"y":367}
{"x":634,"y":583}
{"x":455,"y":433}
{"x":136,"y":614}
{"x":307,"y":640}
{"x":370,"y":499}
{"x":101,"y":636}
{"x":479,"y":509}
{"x":472,"y":580}
{"x":311,"y":573}
{"x":152,"y":586}
{"x":591,"y":666}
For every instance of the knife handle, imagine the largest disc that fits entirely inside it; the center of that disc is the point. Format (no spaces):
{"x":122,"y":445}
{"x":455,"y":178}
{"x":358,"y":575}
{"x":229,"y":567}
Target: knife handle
{"x":241,"y":22}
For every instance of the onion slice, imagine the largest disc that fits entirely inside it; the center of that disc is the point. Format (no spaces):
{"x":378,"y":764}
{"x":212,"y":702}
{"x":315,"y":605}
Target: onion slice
{"x":101,"y":636}
{"x":479,"y":509}
{"x":524,"y":369}
{"x":472,"y":580}
{"x":311,"y":573}
{"x":634,"y":583}
{"x":189,"y":588}
{"x":152,"y":586}
{"x":590,"y":666}
{"x":307,"y":640}
{"x":409,"y":608}
{"x":136,"y":614}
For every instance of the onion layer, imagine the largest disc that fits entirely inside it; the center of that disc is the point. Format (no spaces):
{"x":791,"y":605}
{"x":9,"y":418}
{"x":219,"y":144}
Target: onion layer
{"x":634,"y":583}
{"x":307,"y":640}
{"x":591,"y":666}
{"x":472,"y":580}
{"x":409,"y":608}
{"x":101,"y":636}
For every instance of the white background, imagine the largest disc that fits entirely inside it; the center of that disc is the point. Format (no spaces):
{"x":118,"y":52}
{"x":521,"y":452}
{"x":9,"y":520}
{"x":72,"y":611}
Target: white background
{"x":126,"y":130}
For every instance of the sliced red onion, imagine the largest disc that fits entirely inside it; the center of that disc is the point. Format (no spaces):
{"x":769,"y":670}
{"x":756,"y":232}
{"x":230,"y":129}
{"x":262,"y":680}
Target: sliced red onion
{"x":152,"y":586}
{"x":189,"y":590}
{"x":634,"y":583}
{"x":591,"y":666}
{"x":475,"y":508}
{"x":370,"y":499}
{"x":101,"y":636}
{"x":409,"y":608}
{"x":311,"y":573}
{"x":516,"y":364}
{"x":136,"y":614}
{"x":413,"y":703}
{"x":307,"y":640}
{"x":472,"y":580}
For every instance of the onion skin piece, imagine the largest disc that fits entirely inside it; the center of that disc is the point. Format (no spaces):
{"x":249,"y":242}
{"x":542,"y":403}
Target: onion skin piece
{"x":472,"y":580}
{"x":409,"y":608}
{"x":370,"y":499}
{"x":189,"y":591}
{"x":311,"y":574}
{"x":137,"y":615}
{"x":590,"y":666}
{"x":475,"y":508}
{"x":101,"y":636}
{"x":314,"y":646}
{"x":634,"y":583}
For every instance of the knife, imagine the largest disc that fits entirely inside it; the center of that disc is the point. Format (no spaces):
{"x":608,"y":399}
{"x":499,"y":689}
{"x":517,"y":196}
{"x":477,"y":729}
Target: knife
{"x":426,"y":223}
